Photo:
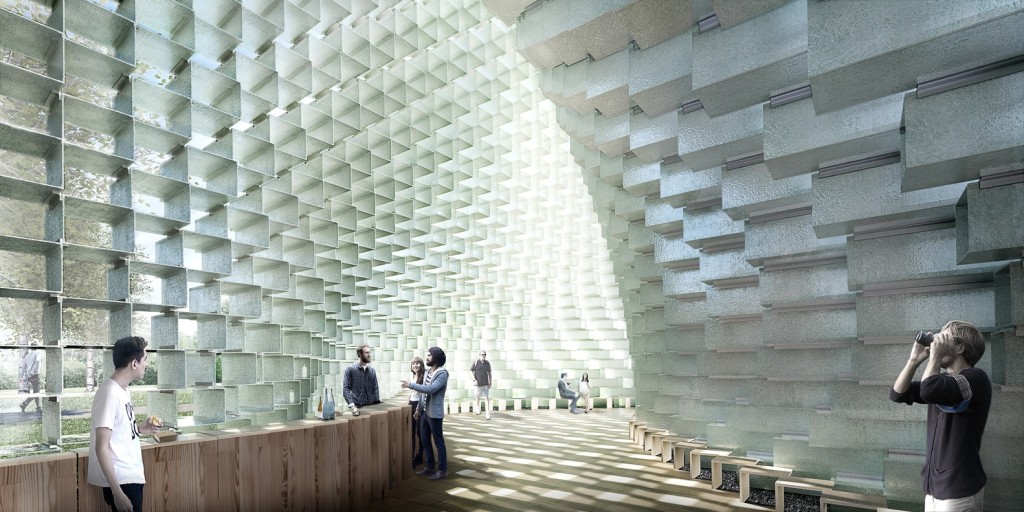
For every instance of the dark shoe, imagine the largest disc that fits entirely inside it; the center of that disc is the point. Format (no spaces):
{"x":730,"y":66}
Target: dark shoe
{"x":439,"y":475}
{"x":425,"y":471}
{"x":23,"y":407}
{"x":416,"y":462}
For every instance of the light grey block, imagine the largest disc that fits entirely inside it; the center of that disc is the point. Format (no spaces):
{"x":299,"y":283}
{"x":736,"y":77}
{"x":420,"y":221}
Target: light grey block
{"x":739,"y":67}
{"x":903,"y":315}
{"x":660,"y":76}
{"x":797,"y":140}
{"x":752,"y":191}
{"x":706,"y":142}
{"x":787,"y":240}
{"x":955,"y":136}
{"x":982,"y":216}
{"x":859,"y":51}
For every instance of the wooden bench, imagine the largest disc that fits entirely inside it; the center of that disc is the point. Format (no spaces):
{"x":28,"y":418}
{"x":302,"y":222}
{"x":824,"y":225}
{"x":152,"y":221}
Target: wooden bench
{"x":648,"y":441}
{"x":718,"y":462}
{"x":791,"y":482}
{"x":746,"y":472}
{"x":871,"y":502}
{"x":633,"y":426}
{"x":697,"y":453}
{"x":681,"y":451}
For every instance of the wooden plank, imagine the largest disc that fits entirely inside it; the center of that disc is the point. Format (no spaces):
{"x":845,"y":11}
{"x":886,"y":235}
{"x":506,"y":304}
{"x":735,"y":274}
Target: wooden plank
{"x":40,"y":483}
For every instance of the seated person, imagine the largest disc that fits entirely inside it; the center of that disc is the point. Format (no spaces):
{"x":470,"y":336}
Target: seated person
{"x":565,"y":391}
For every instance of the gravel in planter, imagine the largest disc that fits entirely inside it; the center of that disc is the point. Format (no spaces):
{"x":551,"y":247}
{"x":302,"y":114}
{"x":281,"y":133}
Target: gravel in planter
{"x":762,"y":497}
{"x":802,"y":503}
{"x":705,"y":474}
{"x":730,"y":482}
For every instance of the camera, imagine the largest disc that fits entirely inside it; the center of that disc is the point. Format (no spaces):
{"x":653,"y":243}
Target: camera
{"x":924,"y":338}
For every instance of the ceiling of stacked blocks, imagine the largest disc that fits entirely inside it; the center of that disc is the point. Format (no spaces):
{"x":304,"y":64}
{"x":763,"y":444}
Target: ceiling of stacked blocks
{"x":792,"y":189}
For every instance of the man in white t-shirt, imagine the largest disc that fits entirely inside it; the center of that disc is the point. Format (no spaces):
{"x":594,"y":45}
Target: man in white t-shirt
{"x":115,"y":453}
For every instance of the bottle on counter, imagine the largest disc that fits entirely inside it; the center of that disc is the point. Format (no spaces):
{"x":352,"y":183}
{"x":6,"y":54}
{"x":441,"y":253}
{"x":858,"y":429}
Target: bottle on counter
{"x":330,"y":406}
{"x":320,"y":408}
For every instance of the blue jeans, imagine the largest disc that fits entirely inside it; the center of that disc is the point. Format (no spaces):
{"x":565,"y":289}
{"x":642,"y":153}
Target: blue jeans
{"x":430,"y":428}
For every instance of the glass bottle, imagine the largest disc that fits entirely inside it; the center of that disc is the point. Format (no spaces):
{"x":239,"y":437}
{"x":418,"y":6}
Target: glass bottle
{"x":320,"y":408}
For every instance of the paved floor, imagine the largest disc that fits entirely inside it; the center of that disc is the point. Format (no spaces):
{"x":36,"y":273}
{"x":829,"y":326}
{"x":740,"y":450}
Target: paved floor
{"x":548,"y":461}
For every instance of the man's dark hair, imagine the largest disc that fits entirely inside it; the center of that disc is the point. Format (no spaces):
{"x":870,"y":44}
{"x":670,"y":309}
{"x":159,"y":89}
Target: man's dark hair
{"x":437,"y":355}
{"x":128,"y":349}
{"x":562,"y":376}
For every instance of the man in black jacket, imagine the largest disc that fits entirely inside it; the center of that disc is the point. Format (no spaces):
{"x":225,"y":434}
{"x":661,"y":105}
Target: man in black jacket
{"x":958,"y":403}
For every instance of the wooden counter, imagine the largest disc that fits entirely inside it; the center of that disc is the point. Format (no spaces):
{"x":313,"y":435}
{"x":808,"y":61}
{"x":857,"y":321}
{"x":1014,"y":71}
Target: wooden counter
{"x":302,"y":465}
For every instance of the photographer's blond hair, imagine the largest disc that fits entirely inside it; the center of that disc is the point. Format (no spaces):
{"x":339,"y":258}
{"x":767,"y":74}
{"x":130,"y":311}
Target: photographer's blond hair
{"x":968,"y":335}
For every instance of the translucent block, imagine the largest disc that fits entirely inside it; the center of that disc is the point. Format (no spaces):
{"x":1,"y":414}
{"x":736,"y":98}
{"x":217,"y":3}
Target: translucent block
{"x":837,"y":210}
{"x":660,"y":76}
{"x":853,"y":55}
{"x":733,"y":302}
{"x":608,"y":84}
{"x":278,"y":368}
{"x":729,"y":437}
{"x":803,"y":284}
{"x":799,"y":140}
{"x":706,"y":142}
{"x":868,"y":401}
{"x":838,"y":431}
{"x":201,"y":368}
{"x":1009,"y":290}
{"x":682,"y":187}
{"x":560,"y":32}
{"x":163,"y":404}
{"x":725,"y":266}
{"x":814,"y":365}
{"x":823,"y":462}
{"x":734,"y":335}
{"x":673,"y":252}
{"x":788,"y":240}
{"x":793,"y":393}
{"x":686,"y":313}
{"x":981,"y":218}
{"x":239,"y":368}
{"x":811,"y":327}
{"x":164,"y":331}
{"x":740,"y":67}
{"x":904,"y":315}
{"x":653,"y":138}
{"x":170,"y":371}
{"x":296,"y":342}
{"x":985,"y":111}
{"x":1000,"y":415}
{"x":1007,"y":353}
{"x":208,"y":406}
{"x":770,"y":420}
{"x":751,"y":191}
{"x":611,"y":134}
{"x":255,"y":398}
{"x":706,"y":228}
{"x":903,"y":476}
{"x":732,"y":364}
{"x":899,"y":258}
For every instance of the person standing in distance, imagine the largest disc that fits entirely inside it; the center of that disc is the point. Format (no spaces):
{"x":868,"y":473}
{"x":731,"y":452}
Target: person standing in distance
{"x":482,"y":380}
{"x":418,"y":371}
{"x":360,"y":386}
{"x":435,"y":383}
{"x":115,"y":453}
{"x":958,"y":403}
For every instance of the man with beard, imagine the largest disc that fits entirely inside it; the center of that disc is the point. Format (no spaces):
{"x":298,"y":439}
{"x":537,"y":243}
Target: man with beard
{"x":360,"y":385}
{"x":435,"y":383}
{"x":958,"y":403}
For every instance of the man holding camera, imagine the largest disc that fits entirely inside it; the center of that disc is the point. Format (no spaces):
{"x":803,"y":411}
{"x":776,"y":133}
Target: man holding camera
{"x":958,"y":403}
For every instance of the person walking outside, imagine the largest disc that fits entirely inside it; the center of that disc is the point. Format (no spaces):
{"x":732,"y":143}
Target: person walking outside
{"x":482,"y":380}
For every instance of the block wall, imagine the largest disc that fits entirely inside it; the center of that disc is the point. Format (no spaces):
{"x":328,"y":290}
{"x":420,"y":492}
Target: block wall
{"x":259,"y":186}
{"x":791,"y":190}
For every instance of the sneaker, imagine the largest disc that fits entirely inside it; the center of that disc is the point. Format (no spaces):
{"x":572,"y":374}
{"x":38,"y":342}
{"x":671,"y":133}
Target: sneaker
{"x":477,"y":411}
{"x":439,"y":475}
{"x":425,"y":471}
{"x":488,"y":416}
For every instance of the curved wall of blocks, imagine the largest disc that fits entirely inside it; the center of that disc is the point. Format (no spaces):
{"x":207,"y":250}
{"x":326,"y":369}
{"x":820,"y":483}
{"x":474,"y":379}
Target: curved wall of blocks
{"x":260,"y":186}
{"x":792,"y":189}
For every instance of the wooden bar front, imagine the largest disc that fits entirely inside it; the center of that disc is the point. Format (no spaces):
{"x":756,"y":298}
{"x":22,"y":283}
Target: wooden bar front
{"x":304,"y":465}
